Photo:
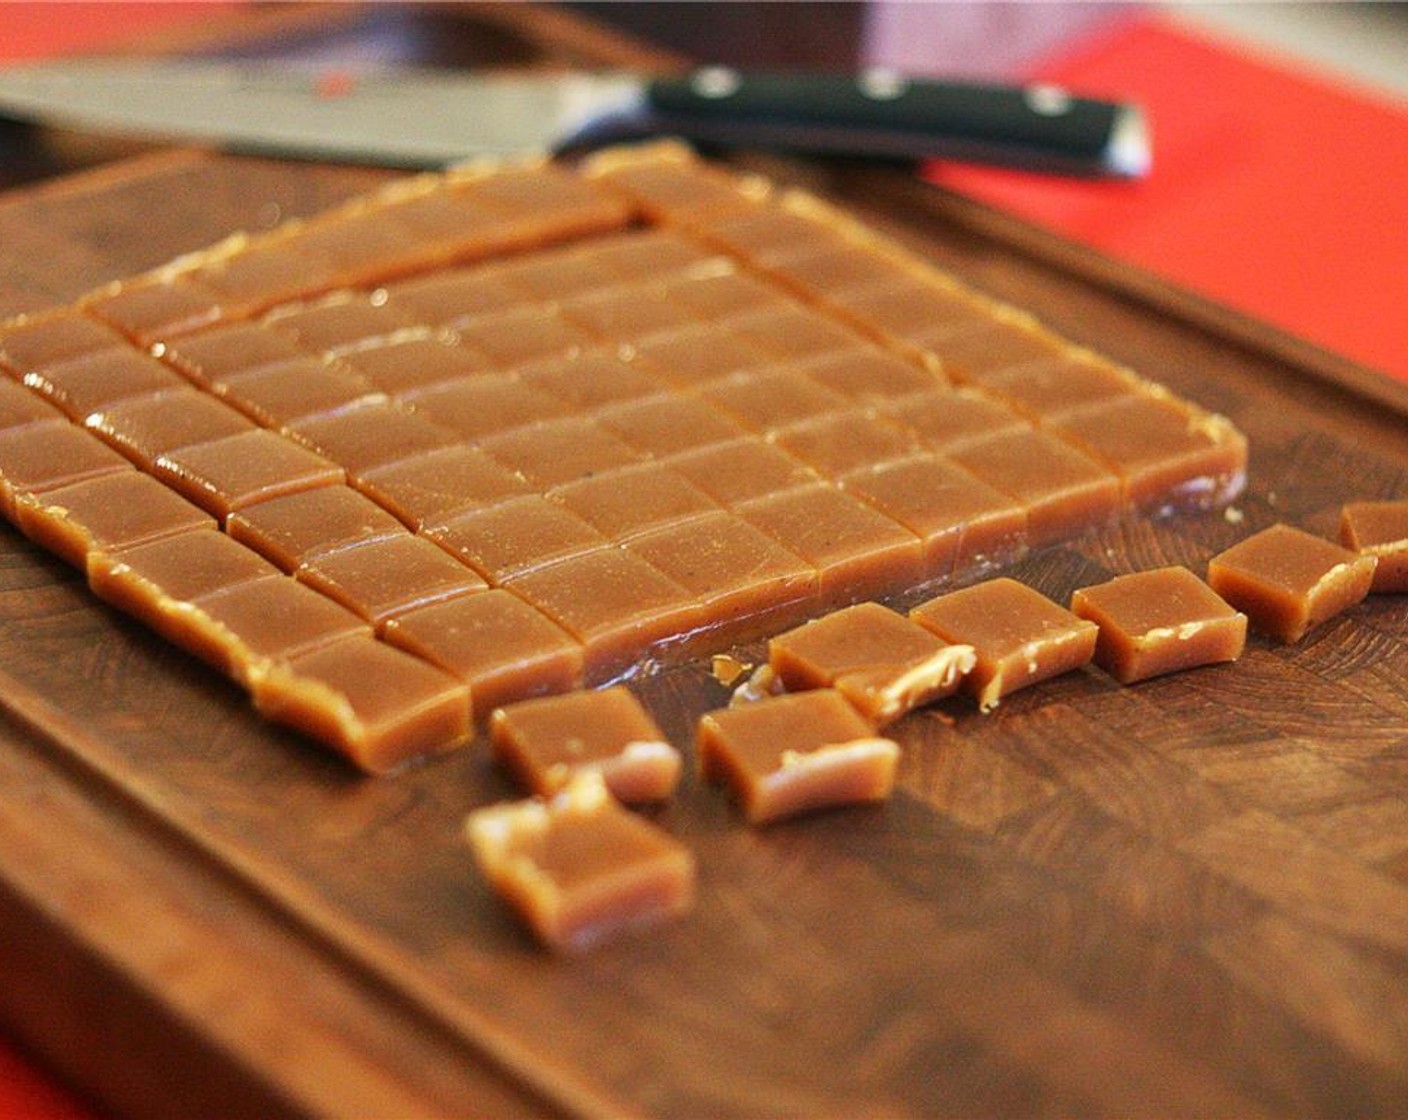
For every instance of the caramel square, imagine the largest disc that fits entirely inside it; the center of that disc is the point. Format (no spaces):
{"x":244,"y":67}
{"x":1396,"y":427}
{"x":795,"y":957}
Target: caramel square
{"x":267,"y":273}
{"x":1160,"y":621}
{"x":552,"y":452}
{"x":80,"y":386}
{"x":622,"y":503}
{"x":429,"y":489}
{"x":868,"y":375}
{"x":296,"y":527}
{"x":579,"y":869}
{"x":882,"y":662}
{"x":1064,"y":491}
{"x":377,"y":706}
{"x":384,"y":578}
{"x":844,"y":441}
{"x":554,"y":274}
{"x":1287,"y":580}
{"x":337,"y":321}
{"x":643,"y":254}
{"x":944,"y":420}
{"x":591,"y":380}
{"x":476,"y":407}
{"x":718,"y":290}
{"x":32,"y":343}
{"x":796,"y":753}
{"x":858,"y":553}
{"x":241,"y":629}
{"x":410,"y":364}
{"x":744,"y":581}
{"x":1165,"y":453}
{"x":741,"y":470}
{"x":516,"y":536}
{"x":1020,"y":636}
{"x":227,"y":474}
{"x":1379,"y":529}
{"x":501,"y":647}
{"x":666,"y":425}
{"x":143,"y":428}
{"x":455,"y":295}
{"x":20,"y":406}
{"x":49,"y":454}
{"x":150,"y":311}
{"x":548,"y":741}
{"x":962,"y":522}
{"x":698,"y":355}
{"x":522,"y":335}
{"x":905,"y":306}
{"x":103,"y":514}
{"x":625,"y":314}
{"x":283,"y":393}
{"x":766,"y":401}
{"x":614,"y":603}
{"x":370,"y":435}
{"x":986,"y":346}
{"x":212,"y":355}
{"x":1047,"y":390}
{"x":791,"y":333}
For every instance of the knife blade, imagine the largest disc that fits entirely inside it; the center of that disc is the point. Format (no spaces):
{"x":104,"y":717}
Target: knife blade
{"x":428,"y":118}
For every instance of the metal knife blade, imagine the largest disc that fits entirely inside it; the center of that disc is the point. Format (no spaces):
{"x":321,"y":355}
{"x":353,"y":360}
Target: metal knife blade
{"x":426,"y":118}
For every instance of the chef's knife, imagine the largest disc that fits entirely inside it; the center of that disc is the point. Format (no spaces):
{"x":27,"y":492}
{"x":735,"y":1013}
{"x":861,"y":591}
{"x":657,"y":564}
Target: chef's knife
{"x":422,"y":118}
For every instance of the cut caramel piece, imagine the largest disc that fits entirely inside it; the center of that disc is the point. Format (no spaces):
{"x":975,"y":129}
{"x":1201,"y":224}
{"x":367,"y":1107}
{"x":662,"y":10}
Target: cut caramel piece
{"x":431,"y":488}
{"x":796,"y":753}
{"x":844,"y":441}
{"x":556,"y":451}
{"x":296,"y":527}
{"x":590,"y":381}
{"x":19,"y":406}
{"x":1160,"y":621}
{"x":1379,"y":529}
{"x":624,"y":503}
{"x":666,"y":425}
{"x":548,"y":741}
{"x":399,"y":365}
{"x":144,"y":427}
{"x":213,"y":355}
{"x":868,"y":376}
{"x":946,"y":419}
{"x":277,"y":395}
{"x":740,"y":470}
{"x":496,"y":643}
{"x":103,"y":514}
{"x":698,"y":355}
{"x":370,"y":435}
{"x":1047,"y":390}
{"x":1020,"y":636}
{"x":474,"y":407}
{"x":1287,"y":580}
{"x":579,"y":869}
{"x":227,"y":474}
{"x":516,"y":536}
{"x":377,"y":706}
{"x":148,"y":311}
{"x":336,"y":321}
{"x":880,"y":661}
{"x":387,"y":577}
{"x":32,"y":343}
{"x":48,"y":454}
{"x":765,"y":401}
{"x":83,"y":385}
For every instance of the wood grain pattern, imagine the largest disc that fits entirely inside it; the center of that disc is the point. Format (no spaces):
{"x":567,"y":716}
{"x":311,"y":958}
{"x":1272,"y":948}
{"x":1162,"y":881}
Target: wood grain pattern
{"x":1185,"y":897}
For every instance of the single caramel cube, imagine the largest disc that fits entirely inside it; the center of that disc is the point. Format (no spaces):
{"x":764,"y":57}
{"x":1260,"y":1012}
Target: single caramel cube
{"x":698,"y":355}
{"x":292,"y":529}
{"x":399,"y":365}
{"x":430,"y":488}
{"x":743,"y":469}
{"x":624,"y":314}
{"x":987,"y":345}
{"x":224,"y":475}
{"x":548,"y":741}
{"x":377,"y":706}
{"x":144,"y":427}
{"x":484,"y":405}
{"x":82,"y":385}
{"x":103,"y":514}
{"x":267,"y":273}
{"x":590,"y":381}
{"x":579,"y":869}
{"x":34,"y":342}
{"x":150,"y":311}
{"x":443,"y":298}
{"x":214,"y":355}
{"x":866,"y":375}
{"x":626,"y":502}
{"x":521,"y":335}
{"x":771,"y":399}
{"x":370,"y":435}
{"x":552,"y":452}
{"x":858,"y":552}
{"x":792,"y":754}
{"x":1287,"y":580}
{"x":280,"y":394}
{"x":1379,"y":529}
{"x":1158,"y":622}
{"x":1020,"y":636}
{"x":20,"y":406}
{"x":337,"y":320}
{"x":945,"y":419}
{"x":844,"y":441}
{"x":877,"y":659}
{"x":48,"y":454}
{"x":387,"y":577}
{"x":791,"y":333}
{"x":668,"y":424}
{"x":501,"y":647}
{"x":507,"y":539}
{"x":1047,"y":390}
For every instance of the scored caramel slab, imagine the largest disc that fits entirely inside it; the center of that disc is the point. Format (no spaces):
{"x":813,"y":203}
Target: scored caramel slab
{"x":569,"y":378}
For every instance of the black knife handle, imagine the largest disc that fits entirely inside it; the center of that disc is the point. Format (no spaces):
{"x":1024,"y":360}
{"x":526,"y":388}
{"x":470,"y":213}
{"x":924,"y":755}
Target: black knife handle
{"x":881,"y":113}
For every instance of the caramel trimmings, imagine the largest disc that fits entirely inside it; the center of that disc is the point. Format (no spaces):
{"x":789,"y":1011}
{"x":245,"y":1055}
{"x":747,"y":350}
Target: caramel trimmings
{"x":792,"y":754}
{"x":578,"y":868}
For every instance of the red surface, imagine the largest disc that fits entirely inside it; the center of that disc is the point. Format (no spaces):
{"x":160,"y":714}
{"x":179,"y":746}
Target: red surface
{"x":1274,"y":191}
{"x":35,"y":30}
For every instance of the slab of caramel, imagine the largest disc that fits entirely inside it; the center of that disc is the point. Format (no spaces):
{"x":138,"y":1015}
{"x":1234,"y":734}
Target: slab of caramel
{"x":384,"y":578}
{"x":501,"y":647}
{"x":1287,"y":580}
{"x":579,"y":869}
{"x":1020,"y":636}
{"x":883,"y":663}
{"x":548,"y":741}
{"x":296,"y":527}
{"x":224,"y":475}
{"x":377,"y":706}
{"x":103,"y":514}
{"x":1160,"y":621}
{"x":796,"y":753}
{"x":1379,"y":529}
{"x":50,"y":453}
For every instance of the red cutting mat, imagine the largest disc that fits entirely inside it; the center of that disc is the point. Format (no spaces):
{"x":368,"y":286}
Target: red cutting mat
{"x":1274,"y":190}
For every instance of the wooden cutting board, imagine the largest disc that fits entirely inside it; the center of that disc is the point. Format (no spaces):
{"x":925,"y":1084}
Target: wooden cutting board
{"x":1185,"y":897}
